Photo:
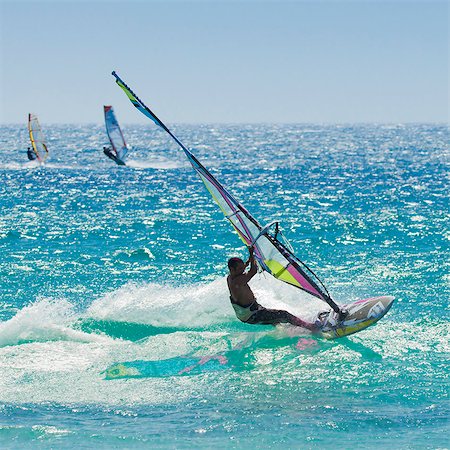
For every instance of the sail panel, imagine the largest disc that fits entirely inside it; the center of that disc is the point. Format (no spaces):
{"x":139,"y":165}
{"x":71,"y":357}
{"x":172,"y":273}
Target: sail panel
{"x":37,"y":138}
{"x":114,"y":132}
{"x":271,"y":254}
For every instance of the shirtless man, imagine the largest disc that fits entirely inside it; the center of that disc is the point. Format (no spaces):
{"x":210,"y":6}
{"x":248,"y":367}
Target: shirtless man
{"x":244,"y":302}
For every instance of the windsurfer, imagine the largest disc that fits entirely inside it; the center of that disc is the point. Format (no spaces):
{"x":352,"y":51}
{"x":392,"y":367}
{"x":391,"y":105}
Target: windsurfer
{"x":244,"y":303}
{"x":31,"y":155}
{"x":108,"y":151}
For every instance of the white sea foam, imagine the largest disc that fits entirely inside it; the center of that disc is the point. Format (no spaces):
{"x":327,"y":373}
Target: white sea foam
{"x":154,"y":304}
{"x":42,"y":321}
{"x":197,"y":305}
{"x":71,"y":372}
{"x":190,"y":306}
{"x":62,"y":364}
{"x":20,"y":166}
{"x":161,"y":163}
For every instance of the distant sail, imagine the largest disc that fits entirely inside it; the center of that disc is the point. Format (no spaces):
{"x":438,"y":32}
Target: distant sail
{"x":273,"y":256}
{"x":37,"y":138}
{"x":118,"y":144}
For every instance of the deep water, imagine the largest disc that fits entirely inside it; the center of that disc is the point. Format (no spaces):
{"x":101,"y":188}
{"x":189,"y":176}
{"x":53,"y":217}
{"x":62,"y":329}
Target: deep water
{"x":115,"y":324}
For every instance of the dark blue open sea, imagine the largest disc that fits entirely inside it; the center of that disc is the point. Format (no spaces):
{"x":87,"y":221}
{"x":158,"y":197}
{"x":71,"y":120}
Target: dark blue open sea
{"x":115,"y":326}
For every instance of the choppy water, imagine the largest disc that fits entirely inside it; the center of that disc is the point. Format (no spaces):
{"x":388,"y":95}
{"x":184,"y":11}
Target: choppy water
{"x":105,"y":266}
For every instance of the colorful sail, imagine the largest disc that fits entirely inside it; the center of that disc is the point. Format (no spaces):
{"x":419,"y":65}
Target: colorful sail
{"x":118,"y":144}
{"x":37,"y":138}
{"x":272,"y":255}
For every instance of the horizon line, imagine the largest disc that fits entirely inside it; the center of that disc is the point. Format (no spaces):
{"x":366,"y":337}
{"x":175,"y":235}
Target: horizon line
{"x":447,"y":123}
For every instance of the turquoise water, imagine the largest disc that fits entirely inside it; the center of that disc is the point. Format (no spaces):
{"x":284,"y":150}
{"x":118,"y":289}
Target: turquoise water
{"x":116,"y":328}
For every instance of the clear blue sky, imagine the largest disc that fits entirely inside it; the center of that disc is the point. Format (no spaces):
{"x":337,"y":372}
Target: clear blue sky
{"x":223,"y":61}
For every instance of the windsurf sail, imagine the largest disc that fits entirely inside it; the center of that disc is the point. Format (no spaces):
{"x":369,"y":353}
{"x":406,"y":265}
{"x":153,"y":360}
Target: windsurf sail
{"x":118,"y":144}
{"x":272,"y":252}
{"x":37,"y":138}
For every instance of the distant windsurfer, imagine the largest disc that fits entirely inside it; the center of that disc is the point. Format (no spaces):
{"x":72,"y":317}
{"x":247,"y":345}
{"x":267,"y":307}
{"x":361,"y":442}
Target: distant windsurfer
{"x":31,"y":155}
{"x":244,"y":303}
{"x":110,"y":153}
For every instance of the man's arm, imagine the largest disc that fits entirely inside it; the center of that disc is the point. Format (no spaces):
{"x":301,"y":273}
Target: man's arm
{"x":253,"y":267}
{"x":251,"y":251}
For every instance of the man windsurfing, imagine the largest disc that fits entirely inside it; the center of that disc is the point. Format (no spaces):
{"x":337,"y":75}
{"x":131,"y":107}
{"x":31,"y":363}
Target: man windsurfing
{"x":244,"y":303}
{"x":111,"y":153}
{"x":31,"y":154}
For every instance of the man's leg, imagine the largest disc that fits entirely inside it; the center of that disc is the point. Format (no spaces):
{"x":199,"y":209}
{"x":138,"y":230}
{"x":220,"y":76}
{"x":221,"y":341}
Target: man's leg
{"x":275,"y":316}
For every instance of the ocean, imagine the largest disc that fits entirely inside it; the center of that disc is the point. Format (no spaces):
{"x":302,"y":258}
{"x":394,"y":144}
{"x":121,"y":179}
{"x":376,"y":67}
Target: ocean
{"x":115,"y":325}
